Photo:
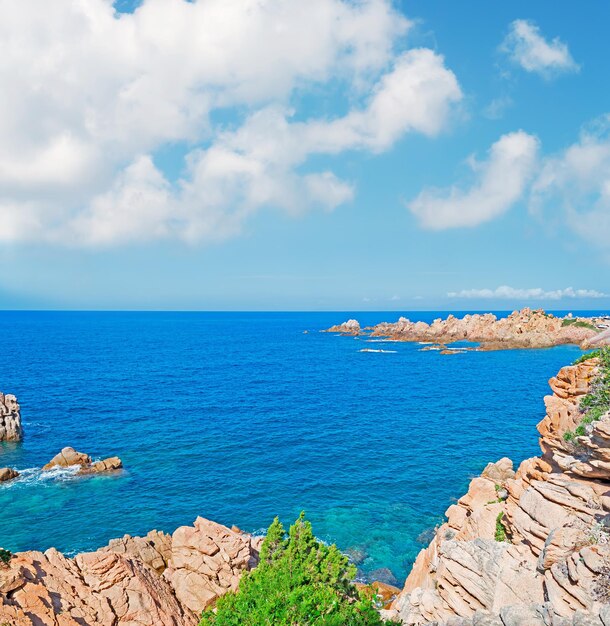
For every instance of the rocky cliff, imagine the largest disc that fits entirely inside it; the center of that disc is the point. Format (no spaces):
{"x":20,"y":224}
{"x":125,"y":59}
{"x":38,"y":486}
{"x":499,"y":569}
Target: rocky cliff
{"x":530,"y":547}
{"x":521,"y":329}
{"x":10,"y":419}
{"x":156,"y":580}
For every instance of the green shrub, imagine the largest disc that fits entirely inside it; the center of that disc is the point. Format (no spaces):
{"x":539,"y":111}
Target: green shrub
{"x":580,"y":430}
{"x":578,"y":323}
{"x":587,"y":356}
{"x":500,"y":530}
{"x":298,"y":582}
{"x":5,"y":556}
{"x":569,"y":436}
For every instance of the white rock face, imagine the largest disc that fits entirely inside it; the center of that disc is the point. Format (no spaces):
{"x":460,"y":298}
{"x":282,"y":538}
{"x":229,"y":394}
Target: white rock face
{"x":10,"y":419}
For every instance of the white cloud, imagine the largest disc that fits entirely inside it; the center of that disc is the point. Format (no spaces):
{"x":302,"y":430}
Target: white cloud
{"x":510,"y":293}
{"x":578,"y":179}
{"x":89,"y":96}
{"x":528,"y":48}
{"x":500,"y":182}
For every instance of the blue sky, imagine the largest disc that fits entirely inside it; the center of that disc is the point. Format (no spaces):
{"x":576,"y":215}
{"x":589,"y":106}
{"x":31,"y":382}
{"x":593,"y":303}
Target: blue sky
{"x":330,"y":155}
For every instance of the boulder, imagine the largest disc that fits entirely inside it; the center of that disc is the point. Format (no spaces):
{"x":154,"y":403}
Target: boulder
{"x":6,"y":474}
{"x":206,"y":561}
{"x":69,"y":457}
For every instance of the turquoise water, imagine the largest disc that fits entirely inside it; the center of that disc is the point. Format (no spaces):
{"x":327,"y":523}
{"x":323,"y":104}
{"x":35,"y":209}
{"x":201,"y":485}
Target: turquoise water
{"x":241,"y":416}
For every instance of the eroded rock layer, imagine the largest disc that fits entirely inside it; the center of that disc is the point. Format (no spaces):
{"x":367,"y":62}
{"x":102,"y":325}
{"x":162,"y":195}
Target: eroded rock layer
{"x":530,"y":547}
{"x":156,"y":580}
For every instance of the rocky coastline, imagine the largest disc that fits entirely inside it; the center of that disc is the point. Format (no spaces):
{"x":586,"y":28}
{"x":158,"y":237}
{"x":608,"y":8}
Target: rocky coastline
{"x":521,"y":329}
{"x":529,"y":547}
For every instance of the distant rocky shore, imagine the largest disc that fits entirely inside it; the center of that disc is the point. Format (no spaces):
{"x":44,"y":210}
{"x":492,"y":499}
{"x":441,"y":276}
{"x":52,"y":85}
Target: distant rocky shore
{"x":521,"y":329}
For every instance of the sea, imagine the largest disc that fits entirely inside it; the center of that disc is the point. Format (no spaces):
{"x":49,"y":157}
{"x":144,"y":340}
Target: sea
{"x":241,"y":417}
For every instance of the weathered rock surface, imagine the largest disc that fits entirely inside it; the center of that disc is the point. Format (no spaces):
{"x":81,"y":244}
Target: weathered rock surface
{"x":69,"y":457}
{"x":206,"y":561}
{"x":10,"y":419}
{"x":525,"y":548}
{"x":96,"y":589}
{"x":521,"y":329}
{"x":154,"y":549}
{"x":7,"y":473}
{"x":156,"y":580}
{"x":351,"y":327}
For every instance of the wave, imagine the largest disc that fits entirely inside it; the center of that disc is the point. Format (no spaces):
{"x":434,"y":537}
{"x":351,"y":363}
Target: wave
{"x":36,"y":476}
{"x":382,"y":351}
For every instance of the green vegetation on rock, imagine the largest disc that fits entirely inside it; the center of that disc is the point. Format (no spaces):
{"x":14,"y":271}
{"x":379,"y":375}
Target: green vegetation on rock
{"x":5,"y":556}
{"x":597,"y":402}
{"x":500,"y":530}
{"x":578,"y":323}
{"x":298,"y":582}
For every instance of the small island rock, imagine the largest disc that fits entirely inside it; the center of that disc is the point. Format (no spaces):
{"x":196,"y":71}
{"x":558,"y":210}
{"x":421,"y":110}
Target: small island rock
{"x":10,"y":418}
{"x":69,"y":457}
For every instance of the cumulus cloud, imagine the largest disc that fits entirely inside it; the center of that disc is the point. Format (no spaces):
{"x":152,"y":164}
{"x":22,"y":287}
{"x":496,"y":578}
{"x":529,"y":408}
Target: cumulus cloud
{"x":90,"y":96}
{"x":500,"y":181}
{"x":578,"y":179}
{"x":526,"y":47}
{"x":510,"y":293}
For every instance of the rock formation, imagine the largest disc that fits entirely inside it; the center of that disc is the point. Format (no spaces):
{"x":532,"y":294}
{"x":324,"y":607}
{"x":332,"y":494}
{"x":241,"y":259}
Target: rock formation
{"x":521,"y":329}
{"x":351,"y":327}
{"x":69,"y":457}
{"x":530,"y":548}
{"x":156,"y":580}
{"x":10,"y":419}
{"x":6,"y":474}
{"x":206,"y":561}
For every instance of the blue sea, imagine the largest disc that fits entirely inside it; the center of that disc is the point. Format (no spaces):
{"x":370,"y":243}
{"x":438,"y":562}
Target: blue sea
{"x":239,"y":417}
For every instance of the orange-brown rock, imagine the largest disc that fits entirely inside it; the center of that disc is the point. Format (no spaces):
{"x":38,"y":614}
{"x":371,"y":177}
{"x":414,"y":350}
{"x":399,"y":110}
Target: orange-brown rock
{"x":7,"y":473}
{"x":206,"y":561}
{"x":154,"y":549}
{"x":69,"y":457}
{"x":93,"y":589}
{"x":156,"y":580}
{"x":521,"y":329}
{"x":381,"y":593}
{"x":351,"y":327}
{"x":527,"y":548}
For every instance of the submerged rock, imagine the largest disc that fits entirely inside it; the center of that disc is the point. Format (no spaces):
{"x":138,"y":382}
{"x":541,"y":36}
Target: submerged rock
{"x":10,"y":419}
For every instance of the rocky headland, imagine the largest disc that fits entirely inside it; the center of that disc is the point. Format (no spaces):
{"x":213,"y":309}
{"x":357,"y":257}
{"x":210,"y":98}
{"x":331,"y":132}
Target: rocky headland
{"x":521,"y":329}
{"x":531,"y":547}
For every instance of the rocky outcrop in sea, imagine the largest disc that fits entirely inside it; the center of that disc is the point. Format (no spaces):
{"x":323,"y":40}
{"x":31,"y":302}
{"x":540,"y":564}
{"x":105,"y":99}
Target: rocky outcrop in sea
{"x":521,"y":329}
{"x":10,"y":419}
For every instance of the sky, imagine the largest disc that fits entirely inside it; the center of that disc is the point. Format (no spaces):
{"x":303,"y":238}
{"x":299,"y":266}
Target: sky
{"x":321,"y":155}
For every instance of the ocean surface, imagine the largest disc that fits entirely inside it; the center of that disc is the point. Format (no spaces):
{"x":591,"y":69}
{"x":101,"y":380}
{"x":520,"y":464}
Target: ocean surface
{"x":239,"y":417}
